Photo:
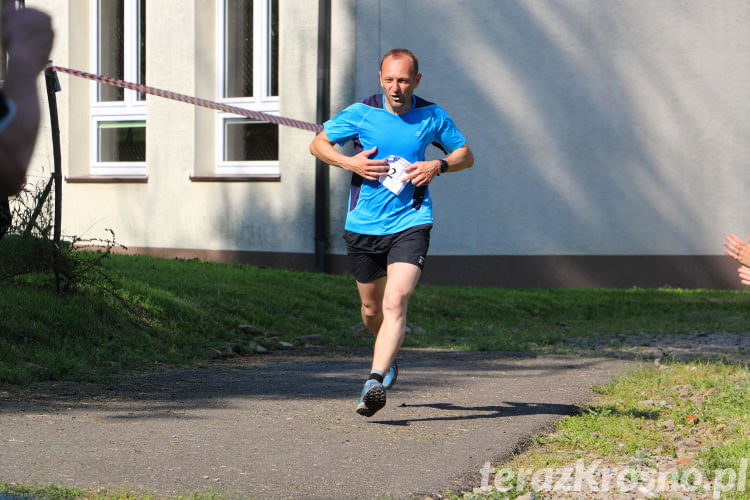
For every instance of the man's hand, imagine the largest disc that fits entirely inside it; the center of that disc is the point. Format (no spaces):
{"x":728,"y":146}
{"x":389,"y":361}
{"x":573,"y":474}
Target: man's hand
{"x":737,"y":249}
{"x":322,"y":148}
{"x":362,"y":165}
{"x":421,"y":173}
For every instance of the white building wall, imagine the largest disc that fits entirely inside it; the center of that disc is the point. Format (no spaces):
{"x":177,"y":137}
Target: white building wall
{"x":170,"y":210}
{"x":599,"y":128}
{"x":610,"y":128}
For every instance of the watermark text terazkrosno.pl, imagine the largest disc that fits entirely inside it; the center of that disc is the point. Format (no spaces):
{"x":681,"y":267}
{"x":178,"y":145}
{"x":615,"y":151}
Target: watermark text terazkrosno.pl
{"x":597,"y":477}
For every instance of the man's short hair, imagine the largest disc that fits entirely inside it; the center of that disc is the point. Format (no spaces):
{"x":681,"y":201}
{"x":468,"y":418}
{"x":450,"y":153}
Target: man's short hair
{"x":401,"y":52}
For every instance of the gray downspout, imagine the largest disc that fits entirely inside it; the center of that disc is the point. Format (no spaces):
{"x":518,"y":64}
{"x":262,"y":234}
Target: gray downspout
{"x":323,"y":109}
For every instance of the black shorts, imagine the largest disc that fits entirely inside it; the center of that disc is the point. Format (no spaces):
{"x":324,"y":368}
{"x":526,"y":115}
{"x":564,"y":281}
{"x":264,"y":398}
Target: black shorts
{"x":369,"y":255}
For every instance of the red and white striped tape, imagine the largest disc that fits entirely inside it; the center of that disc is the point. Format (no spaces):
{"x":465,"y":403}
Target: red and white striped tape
{"x":205,"y":103}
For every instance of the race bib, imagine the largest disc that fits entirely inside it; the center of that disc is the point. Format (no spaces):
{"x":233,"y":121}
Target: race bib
{"x":396,"y":172}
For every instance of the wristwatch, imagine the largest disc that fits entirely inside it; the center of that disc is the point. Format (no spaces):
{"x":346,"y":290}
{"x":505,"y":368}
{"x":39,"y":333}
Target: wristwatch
{"x":443,"y":167}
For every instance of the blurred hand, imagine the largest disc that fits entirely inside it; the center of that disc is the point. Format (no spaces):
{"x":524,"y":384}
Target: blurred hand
{"x":27,"y":37}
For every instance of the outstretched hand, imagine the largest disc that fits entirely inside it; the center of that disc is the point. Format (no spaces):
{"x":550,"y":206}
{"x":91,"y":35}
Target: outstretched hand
{"x":737,"y":249}
{"x":362,"y":165}
{"x":744,"y":274}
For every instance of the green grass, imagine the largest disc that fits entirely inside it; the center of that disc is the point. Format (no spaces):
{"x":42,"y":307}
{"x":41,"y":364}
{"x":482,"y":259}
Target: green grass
{"x":161,"y":311}
{"x":165,"y":311}
{"x":619,"y":427}
{"x":170,"y":311}
{"x":52,"y":492}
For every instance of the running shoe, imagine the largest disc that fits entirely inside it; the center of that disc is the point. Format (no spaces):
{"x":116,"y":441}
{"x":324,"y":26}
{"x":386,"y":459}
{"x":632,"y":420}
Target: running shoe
{"x":372,"y":398}
{"x":391,"y":376}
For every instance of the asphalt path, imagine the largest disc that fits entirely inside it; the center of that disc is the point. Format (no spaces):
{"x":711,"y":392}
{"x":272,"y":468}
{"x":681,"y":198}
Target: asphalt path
{"x":284,"y":425}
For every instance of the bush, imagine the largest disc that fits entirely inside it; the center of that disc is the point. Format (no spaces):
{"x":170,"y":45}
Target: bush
{"x":28,"y":246}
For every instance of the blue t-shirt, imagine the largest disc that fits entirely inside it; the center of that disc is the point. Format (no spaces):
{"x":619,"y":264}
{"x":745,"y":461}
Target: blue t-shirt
{"x":373,"y":209}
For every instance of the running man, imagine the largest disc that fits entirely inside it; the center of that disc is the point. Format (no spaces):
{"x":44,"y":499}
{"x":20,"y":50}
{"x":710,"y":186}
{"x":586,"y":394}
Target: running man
{"x":388,"y":224}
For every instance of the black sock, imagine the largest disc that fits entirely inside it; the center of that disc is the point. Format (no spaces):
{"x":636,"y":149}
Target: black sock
{"x":376,"y":376}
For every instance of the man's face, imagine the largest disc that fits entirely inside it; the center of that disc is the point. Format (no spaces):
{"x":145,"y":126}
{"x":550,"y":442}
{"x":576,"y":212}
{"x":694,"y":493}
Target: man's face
{"x":398,"y":80}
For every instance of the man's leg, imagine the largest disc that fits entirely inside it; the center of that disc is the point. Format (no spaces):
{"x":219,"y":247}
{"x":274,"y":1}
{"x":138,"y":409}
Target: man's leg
{"x":400,"y":283}
{"x":371,"y":295}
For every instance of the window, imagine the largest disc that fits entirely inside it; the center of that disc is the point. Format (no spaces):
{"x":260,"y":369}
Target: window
{"x":247,"y":77}
{"x":118,"y":116}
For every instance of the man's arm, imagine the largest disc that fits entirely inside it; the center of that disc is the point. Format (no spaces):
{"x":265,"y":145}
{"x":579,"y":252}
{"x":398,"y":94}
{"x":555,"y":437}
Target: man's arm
{"x":422,"y":172}
{"x":27,"y":36}
{"x":323,"y":148}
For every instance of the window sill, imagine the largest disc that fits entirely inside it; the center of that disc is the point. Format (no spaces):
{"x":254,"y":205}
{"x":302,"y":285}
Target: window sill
{"x":235,"y":178}
{"x":108,"y":179}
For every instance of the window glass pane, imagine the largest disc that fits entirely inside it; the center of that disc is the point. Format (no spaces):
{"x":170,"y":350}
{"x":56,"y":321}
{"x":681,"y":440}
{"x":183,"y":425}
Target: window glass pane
{"x":121,"y":141}
{"x":238,"y":48}
{"x":141,"y":46}
{"x":273,"y":48}
{"x":250,"y":140}
{"x":111,"y":47}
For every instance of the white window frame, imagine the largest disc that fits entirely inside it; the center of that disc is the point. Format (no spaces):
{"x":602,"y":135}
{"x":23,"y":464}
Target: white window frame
{"x":261,"y":101}
{"x":130,"y":108}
